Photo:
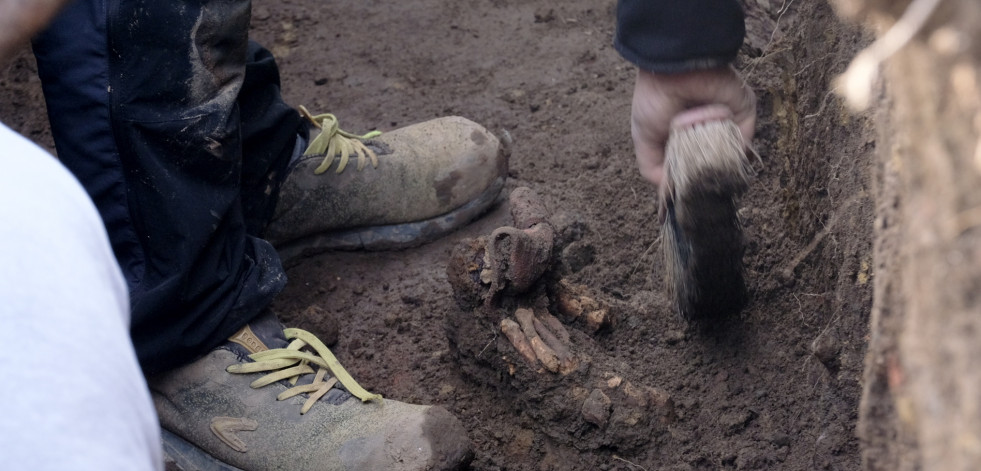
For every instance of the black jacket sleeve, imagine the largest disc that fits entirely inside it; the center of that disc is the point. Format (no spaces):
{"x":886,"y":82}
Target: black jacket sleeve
{"x":669,"y":36}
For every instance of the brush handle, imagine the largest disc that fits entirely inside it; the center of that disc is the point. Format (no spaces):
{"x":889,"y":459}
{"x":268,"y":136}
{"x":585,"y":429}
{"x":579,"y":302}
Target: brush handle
{"x":701,"y":114}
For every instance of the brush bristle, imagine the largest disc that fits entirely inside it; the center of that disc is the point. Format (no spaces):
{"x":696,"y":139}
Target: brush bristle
{"x":708,"y":157}
{"x":706,"y":169}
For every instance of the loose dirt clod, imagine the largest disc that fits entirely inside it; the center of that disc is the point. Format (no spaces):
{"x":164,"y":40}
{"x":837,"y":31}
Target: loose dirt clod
{"x":596,"y":409}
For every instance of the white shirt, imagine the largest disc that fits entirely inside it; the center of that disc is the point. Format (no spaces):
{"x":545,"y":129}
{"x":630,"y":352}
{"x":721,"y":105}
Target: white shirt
{"x":72,"y":395}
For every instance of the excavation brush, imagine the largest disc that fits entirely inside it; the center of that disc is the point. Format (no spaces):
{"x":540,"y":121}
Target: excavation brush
{"x":706,"y":170}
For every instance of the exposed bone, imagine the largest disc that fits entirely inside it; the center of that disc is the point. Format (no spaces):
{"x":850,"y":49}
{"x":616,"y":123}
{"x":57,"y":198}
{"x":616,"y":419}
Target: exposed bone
{"x":588,"y":303}
{"x":545,"y":354}
{"x":567,"y":361}
{"x":567,"y":301}
{"x":573,"y":304}
{"x":525,"y":317}
{"x":510,"y":260}
{"x":568,"y":307}
{"x":596,"y":320}
{"x":513,"y":332}
{"x":549,"y":338}
{"x":553,"y":324}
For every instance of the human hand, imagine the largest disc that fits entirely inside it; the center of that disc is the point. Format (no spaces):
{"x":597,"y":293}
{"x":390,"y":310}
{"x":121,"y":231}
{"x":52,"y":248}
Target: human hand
{"x":659,"y":98}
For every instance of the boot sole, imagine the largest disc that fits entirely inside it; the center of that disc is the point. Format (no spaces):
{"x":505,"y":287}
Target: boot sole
{"x":181,"y":455}
{"x":395,"y":236}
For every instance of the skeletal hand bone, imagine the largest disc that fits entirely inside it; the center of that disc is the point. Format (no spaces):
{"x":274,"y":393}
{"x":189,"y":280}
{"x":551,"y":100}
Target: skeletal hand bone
{"x":573,"y":302}
{"x":539,"y":343}
{"x":508,"y":269}
{"x":513,"y":332}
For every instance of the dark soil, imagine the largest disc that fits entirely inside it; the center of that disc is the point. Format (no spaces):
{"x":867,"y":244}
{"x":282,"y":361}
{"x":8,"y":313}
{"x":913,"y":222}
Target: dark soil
{"x":777,"y":387}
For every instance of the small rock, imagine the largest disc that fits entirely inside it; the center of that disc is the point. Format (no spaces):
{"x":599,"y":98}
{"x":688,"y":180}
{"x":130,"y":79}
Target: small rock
{"x":596,"y":408}
{"x":634,"y":396}
{"x":544,"y":16}
{"x":749,"y":458}
{"x":521,"y":443}
{"x":673,"y":337}
{"x":514,"y":96}
{"x":446,"y":390}
{"x":736,"y":421}
{"x":614,"y":381}
{"x":779,"y":439}
{"x":260,"y":14}
{"x":662,"y":402}
{"x":826,"y":349}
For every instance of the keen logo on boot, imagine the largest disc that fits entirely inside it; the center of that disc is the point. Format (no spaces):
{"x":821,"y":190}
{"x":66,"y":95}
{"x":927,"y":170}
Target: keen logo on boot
{"x":225,"y":427}
{"x":246,"y":338}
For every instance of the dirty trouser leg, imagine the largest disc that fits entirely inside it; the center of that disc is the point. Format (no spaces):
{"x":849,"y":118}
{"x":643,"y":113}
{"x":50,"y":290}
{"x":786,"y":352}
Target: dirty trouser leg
{"x":144,"y":102}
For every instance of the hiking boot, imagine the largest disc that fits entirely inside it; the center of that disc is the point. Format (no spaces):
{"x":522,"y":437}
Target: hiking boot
{"x":278,"y":399}
{"x":410,"y":186}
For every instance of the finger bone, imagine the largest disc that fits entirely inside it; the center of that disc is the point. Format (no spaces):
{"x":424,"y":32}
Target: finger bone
{"x":513,"y":332}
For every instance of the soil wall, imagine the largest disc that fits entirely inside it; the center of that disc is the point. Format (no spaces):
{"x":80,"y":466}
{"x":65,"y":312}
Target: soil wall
{"x":921,"y":405}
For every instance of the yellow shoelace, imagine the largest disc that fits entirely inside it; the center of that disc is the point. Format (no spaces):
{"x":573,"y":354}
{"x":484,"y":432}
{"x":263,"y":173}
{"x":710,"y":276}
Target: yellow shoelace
{"x":291,"y":362}
{"x":332,"y":141}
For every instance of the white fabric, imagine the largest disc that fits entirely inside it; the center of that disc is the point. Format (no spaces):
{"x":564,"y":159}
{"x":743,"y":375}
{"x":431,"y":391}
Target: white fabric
{"x":71,"y":392}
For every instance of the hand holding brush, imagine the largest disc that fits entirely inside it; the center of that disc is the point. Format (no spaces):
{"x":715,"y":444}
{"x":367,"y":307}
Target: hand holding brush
{"x":690,"y":131}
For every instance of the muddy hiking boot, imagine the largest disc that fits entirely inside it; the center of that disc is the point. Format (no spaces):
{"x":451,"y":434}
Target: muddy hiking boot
{"x":387,"y":190}
{"x":271,"y":398}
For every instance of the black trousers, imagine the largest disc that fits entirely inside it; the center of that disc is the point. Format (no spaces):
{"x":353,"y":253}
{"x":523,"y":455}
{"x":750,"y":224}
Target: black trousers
{"x":173,"y":122}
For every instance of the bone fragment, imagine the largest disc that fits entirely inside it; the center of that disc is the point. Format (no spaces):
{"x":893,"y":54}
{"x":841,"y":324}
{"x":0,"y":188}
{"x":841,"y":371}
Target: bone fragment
{"x":548,"y":357}
{"x":596,"y":320}
{"x":567,"y":361}
{"x":553,"y":324}
{"x":513,"y":332}
{"x":568,"y":306}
